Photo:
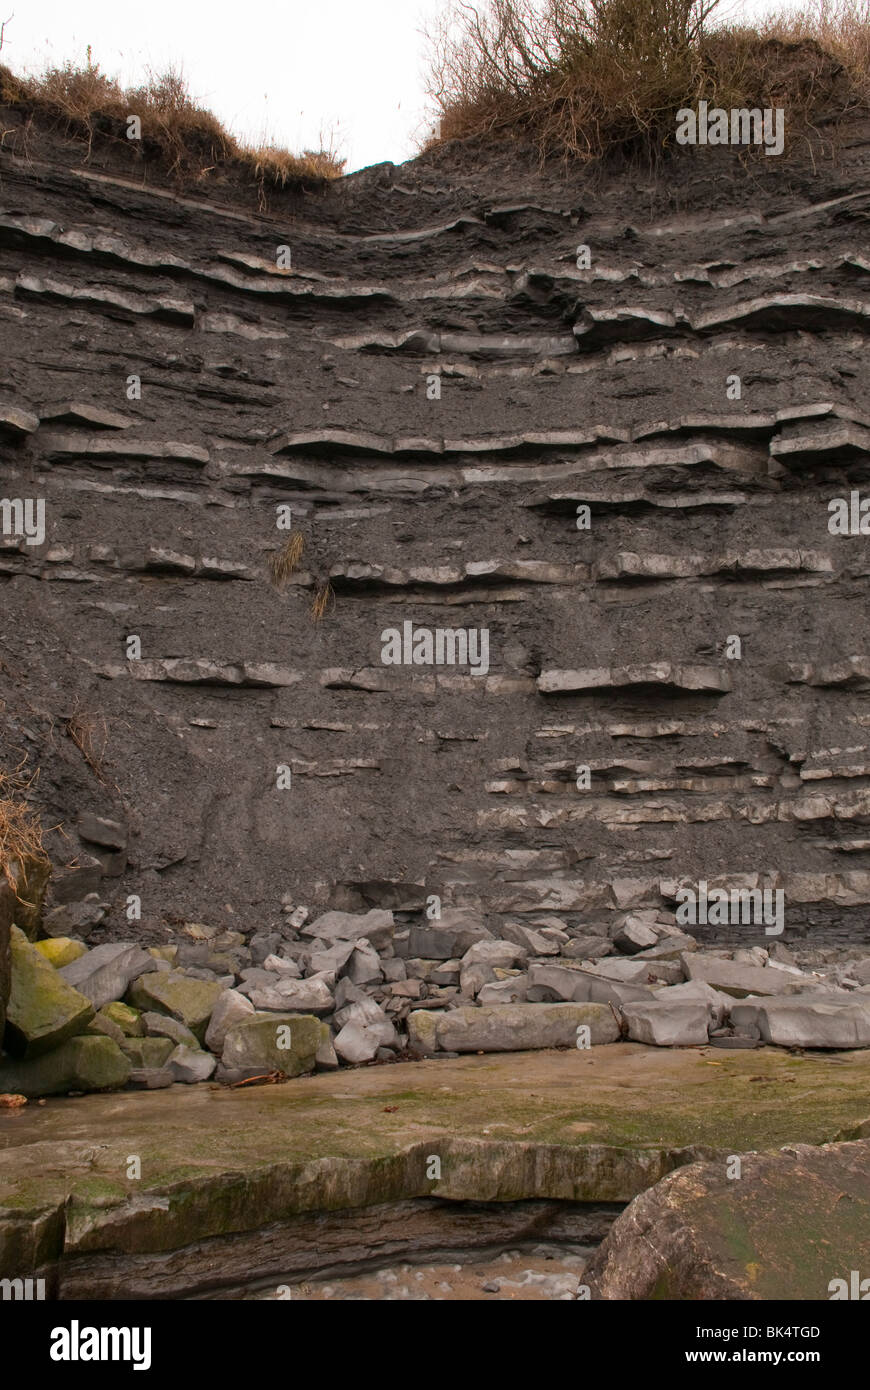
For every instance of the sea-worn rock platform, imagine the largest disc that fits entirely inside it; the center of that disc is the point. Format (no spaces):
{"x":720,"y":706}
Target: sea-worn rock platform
{"x":247,"y":1183}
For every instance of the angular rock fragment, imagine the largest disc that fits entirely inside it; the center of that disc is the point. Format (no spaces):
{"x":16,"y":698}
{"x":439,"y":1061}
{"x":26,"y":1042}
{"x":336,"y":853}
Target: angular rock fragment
{"x":665,"y":1023}
{"x":311,"y":996}
{"x":147,"y":1053}
{"x":190,"y":1065}
{"x":85,"y":1063}
{"x":105,"y":972}
{"x":376,"y":926}
{"x":231,"y":1008}
{"x":162,"y":1026}
{"x":43,"y":1009}
{"x":447,"y":937}
{"x":734,"y":979}
{"x":511,"y":1027}
{"x":170,"y":992}
{"x":263,"y":1043}
{"x":805,"y":1022}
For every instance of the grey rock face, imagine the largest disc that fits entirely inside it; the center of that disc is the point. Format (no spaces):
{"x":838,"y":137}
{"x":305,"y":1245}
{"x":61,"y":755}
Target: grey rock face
{"x":600,"y":652}
{"x":105,"y":972}
{"x":191,"y":1065}
{"x":376,"y":926}
{"x":803,"y":1022}
{"x":512,"y":1027}
{"x":667,"y":1023}
{"x":230,"y":1009}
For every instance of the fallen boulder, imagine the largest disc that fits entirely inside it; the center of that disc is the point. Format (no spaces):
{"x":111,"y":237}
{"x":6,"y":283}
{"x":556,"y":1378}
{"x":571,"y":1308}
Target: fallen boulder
{"x":699,"y":1234}
{"x":230,"y":1008}
{"x":364,"y":1027}
{"x":732,"y":978}
{"x":263,"y":1043}
{"x":104,"y":973}
{"x":666,"y":1023}
{"x":510,"y":1027}
{"x":190,"y":1064}
{"x":447,"y":937}
{"x":85,"y":1063}
{"x":376,"y":926}
{"x":170,"y":992}
{"x":60,"y":950}
{"x":802,"y":1021}
{"x":43,"y":1009}
{"x":311,"y":996}
{"x":147,"y":1052}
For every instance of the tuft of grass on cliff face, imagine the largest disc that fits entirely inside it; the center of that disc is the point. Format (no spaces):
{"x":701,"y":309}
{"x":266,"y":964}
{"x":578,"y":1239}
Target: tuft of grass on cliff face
{"x":188,"y":140}
{"x":286,"y":561}
{"x":20,"y":826}
{"x":583,"y":79}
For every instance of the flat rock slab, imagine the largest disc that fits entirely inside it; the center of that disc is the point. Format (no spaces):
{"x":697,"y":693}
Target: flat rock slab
{"x":575,"y":1125}
{"x":792,"y":1226}
{"x":807,"y":1022}
{"x":738,"y":980}
{"x":511,"y":1027}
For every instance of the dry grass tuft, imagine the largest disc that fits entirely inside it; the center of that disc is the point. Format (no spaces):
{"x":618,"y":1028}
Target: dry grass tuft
{"x":20,"y":826}
{"x":287,"y":560}
{"x":324,"y":598}
{"x":186,"y":138}
{"x":90,"y":735}
{"x":583,"y":79}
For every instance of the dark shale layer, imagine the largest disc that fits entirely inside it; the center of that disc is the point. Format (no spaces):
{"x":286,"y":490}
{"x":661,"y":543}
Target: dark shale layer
{"x":610,"y":388}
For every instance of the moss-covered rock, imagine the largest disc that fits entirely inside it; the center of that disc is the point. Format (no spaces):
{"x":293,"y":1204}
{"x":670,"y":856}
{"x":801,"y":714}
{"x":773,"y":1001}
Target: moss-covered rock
{"x":791,"y":1225}
{"x":43,"y":1009}
{"x":167,"y":953}
{"x":147,"y":1052}
{"x":567,"y":1126}
{"x":61,"y":950}
{"x":423,"y":1032}
{"x":80,"y":1064}
{"x":170,"y":992}
{"x":274,"y":1042}
{"x":129,"y":1020}
{"x":101,"y":1026}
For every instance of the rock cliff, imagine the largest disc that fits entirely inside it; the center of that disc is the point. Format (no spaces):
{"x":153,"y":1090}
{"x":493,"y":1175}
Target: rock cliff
{"x":615,"y":471}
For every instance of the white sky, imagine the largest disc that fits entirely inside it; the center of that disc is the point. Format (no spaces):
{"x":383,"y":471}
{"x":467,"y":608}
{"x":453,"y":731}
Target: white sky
{"x":300,"y":72}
